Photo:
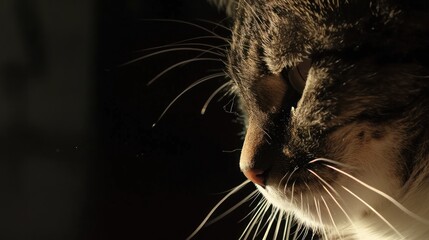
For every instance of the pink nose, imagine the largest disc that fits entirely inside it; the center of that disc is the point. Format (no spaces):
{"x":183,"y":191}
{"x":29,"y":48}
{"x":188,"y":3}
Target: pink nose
{"x":257,"y":176}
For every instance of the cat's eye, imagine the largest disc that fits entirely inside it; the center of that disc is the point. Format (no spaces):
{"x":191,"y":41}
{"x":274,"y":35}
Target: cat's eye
{"x":297,"y":76}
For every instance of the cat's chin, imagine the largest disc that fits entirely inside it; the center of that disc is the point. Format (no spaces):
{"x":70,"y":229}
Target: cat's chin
{"x":301,"y":207}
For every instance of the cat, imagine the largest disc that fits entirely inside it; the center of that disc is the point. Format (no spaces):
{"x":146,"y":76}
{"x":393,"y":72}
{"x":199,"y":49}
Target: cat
{"x":334,"y":94}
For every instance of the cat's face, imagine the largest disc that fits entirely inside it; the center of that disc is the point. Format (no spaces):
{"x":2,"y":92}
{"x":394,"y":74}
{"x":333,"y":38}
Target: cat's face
{"x":332,"y":97}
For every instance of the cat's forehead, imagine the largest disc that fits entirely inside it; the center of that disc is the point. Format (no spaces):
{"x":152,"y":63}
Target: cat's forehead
{"x":267,"y":36}
{"x":271,"y":35}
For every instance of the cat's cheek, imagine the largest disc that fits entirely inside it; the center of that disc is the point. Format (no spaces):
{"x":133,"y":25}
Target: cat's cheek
{"x":373,"y":160}
{"x":373,"y":153}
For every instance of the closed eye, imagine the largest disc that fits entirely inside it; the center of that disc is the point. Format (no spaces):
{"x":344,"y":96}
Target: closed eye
{"x":297,"y":76}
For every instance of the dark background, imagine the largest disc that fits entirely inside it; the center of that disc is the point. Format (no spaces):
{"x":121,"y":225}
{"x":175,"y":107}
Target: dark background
{"x":79,"y":156}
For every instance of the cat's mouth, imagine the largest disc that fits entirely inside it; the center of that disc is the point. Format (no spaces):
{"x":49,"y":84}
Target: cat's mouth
{"x":307,"y":191}
{"x":312,"y":177}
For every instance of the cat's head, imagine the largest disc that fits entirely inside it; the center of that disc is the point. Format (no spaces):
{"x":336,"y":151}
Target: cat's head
{"x":334,"y":93}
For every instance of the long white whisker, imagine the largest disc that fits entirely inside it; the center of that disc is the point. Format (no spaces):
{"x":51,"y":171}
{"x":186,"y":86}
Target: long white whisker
{"x":251,"y":195}
{"x":216,"y":206}
{"x":306,"y":231}
{"x":313,"y":235}
{"x":180,"y":64}
{"x":323,"y":184}
{"x":216,"y":92}
{"x":271,"y":219}
{"x":340,"y":207}
{"x":186,"y":42}
{"x":188,"y":23}
{"x":266,"y":134}
{"x":281,"y":180}
{"x":261,"y":217}
{"x":389,"y":198}
{"x":286,"y":226}
{"x":319,"y":214}
{"x":256,"y":218}
{"x":169,"y":50}
{"x":262,"y":202}
{"x":205,"y":79}
{"x":297,"y":229}
{"x":330,"y":216}
{"x":308,"y":204}
{"x":331,"y":161}
{"x":216,"y":24}
{"x":301,"y":204}
{"x":292,"y":190}
{"x":416,"y":76}
{"x":323,"y":181}
{"x":287,"y":181}
{"x":375,"y":211}
{"x":279,"y":221}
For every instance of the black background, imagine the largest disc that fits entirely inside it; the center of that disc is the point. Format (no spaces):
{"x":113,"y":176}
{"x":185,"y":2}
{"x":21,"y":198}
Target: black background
{"x":163,"y":180}
{"x":79,"y":156}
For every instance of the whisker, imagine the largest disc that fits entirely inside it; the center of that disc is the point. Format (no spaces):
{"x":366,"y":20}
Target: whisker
{"x":257,"y":232}
{"x":288,"y":226}
{"x":319,"y":214}
{"x":332,"y":162}
{"x":201,"y":80}
{"x":216,"y":24}
{"x":235,"y":190}
{"x":251,"y":195}
{"x":257,"y":213}
{"x":261,"y":217}
{"x":313,"y":235}
{"x":185,"y":43}
{"x":271,"y":219}
{"x":299,"y":232}
{"x":209,"y":47}
{"x":266,"y":134}
{"x":287,"y":181}
{"x":375,"y":211}
{"x":231,"y":107}
{"x":180,"y":64}
{"x":340,"y":207}
{"x":261,"y":201}
{"x":279,"y":221}
{"x":297,"y":229}
{"x":306,"y":231}
{"x":188,"y":23}
{"x":308,"y":204}
{"x":204,"y":108}
{"x":389,"y":198}
{"x":416,"y":76}
{"x":301,"y":204}
{"x":169,"y":50}
{"x":323,"y":181}
{"x":330,"y":216}
{"x":232,"y":151}
{"x":281,"y":180}
{"x":292,"y":190}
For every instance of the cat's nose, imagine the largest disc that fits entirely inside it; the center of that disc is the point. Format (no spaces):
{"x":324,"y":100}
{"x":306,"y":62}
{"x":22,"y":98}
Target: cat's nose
{"x":256,"y":156}
{"x":257,"y":176}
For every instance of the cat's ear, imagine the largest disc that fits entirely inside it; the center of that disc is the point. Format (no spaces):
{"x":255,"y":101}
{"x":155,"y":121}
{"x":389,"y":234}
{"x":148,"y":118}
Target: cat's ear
{"x":227,"y":5}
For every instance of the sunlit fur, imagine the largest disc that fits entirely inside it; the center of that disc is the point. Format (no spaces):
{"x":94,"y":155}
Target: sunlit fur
{"x":347,"y":157}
